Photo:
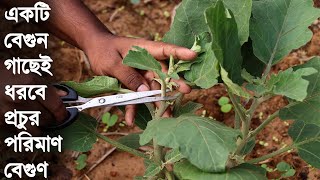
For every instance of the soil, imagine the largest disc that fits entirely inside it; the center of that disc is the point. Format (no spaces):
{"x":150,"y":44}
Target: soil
{"x":150,"y":20}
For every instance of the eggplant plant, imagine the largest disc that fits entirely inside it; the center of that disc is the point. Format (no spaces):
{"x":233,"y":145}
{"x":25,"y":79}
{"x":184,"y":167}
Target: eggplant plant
{"x":238,"y":42}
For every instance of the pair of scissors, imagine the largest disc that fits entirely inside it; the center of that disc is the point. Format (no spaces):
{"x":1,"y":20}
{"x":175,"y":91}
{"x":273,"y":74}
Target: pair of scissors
{"x":72,"y":97}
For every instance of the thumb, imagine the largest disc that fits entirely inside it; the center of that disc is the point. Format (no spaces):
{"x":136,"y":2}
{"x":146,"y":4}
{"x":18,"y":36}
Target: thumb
{"x":131,"y":78}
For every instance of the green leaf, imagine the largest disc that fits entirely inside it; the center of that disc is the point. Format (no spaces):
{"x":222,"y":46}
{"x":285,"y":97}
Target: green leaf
{"x":203,"y":141}
{"x":205,"y":72}
{"x":290,"y":83}
{"x":306,"y":138}
{"x":201,"y":42}
{"x":289,"y":173}
{"x":223,"y":101}
{"x":105,"y":118}
{"x":152,"y":170}
{"x":81,"y":162}
{"x":242,"y":13}
{"x":283,"y":166}
{"x":189,"y":107}
{"x":247,"y":76}
{"x":226,"y":108}
{"x":189,"y":20}
{"x":258,"y":89}
{"x":234,"y":88}
{"x":279,"y":26}
{"x":226,"y":45}
{"x":131,"y":140}
{"x":141,"y":59}
{"x":185,"y":170}
{"x":97,"y":85}
{"x":309,"y":109}
{"x":113,"y":120}
{"x":173,"y":156}
{"x":142,"y":117}
{"x":79,"y":136}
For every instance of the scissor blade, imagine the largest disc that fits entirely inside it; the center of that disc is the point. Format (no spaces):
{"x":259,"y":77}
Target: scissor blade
{"x":144,"y":100}
{"x":109,"y":100}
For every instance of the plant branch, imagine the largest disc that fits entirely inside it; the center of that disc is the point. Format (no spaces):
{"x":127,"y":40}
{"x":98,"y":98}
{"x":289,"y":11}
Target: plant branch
{"x":265,"y":157}
{"x":237,"y":121}
{"x":236,"y":105}
{"x":242,"y":116}
{"x":267,"y":70}
{"x":158,"y":150}
{"x":247,"y":123}
{"x":264,"y":124}
{"x":121,"y":146}
{"x":169,"y":175}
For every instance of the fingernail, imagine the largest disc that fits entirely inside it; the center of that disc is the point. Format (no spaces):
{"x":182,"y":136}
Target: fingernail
{"x":142,"y":87}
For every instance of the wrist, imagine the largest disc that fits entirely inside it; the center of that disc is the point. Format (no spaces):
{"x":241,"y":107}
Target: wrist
{"x":95,"y":40}
{"x":100,"y":49}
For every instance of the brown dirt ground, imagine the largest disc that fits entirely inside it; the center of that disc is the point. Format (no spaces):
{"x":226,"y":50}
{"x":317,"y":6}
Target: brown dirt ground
{"x":148,"y":20}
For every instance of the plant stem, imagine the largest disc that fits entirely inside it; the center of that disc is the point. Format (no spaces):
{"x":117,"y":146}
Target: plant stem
{"x":121,"y":146}
{"x":237,"y":121}
{"x":247,"y":123}
{"x":264,"y":124}
{"x":242,"y":116}
{"x":158,"y":150}
{"x":236,"y":105}
{"x":265,"y":157}
{"x":267,"y":70}
{"x":169,"y":175}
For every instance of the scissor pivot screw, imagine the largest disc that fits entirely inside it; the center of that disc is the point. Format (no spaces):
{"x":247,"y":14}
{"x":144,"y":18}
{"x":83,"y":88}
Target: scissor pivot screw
{"x":102,"y":100}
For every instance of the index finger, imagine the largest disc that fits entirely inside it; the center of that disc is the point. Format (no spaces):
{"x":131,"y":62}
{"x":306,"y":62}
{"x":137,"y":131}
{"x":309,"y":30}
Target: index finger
{"x":163,"y":51}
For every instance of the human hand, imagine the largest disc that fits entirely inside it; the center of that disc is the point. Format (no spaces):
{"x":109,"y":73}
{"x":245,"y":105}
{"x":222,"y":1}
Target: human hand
{"x":107,"y":52}
{"x":52,"y":109}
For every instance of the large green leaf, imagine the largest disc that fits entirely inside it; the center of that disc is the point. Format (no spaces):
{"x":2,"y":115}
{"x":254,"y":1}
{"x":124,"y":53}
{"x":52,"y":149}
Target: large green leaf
{"x":97,"y":85}
{"x":185,"y":170}
{"x":189,"y":20}
{"x":226,"y":45}
{"x":140,"y":58}
{"x":279,"y":26}
{"x":79,"y":136}
{"x":204,"y":142}
{"x":306,"y":138}
{"x":204,"y":73}
{"x":242,"y":12}
{"x":290,"y":83}
{"x":309,"y":109}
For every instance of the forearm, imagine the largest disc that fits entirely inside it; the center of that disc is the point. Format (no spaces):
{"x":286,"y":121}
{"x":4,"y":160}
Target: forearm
{"x":70,"y":20}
